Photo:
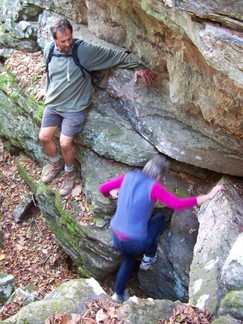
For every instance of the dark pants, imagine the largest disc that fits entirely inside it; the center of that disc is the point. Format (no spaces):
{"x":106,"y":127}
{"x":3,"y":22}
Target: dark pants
{"x":130,"y":249}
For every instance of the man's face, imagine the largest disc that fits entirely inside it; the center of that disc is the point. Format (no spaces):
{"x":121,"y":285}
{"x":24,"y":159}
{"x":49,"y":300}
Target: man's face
{"x":64,"y":41}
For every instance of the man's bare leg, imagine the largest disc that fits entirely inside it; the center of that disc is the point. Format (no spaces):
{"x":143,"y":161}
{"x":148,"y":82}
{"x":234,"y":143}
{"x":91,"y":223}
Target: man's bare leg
{"x":68,"y":153}
{"x":46,"y":137}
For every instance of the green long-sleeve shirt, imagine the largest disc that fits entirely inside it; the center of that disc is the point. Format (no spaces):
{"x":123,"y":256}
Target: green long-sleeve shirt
{"x":68,"y":90}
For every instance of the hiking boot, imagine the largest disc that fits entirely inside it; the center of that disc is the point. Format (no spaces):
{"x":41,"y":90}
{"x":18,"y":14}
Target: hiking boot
{"x":120,"y":298}
{"x":68,"y":183}
{"x":147,"y":261}
{"x":53,"y":171}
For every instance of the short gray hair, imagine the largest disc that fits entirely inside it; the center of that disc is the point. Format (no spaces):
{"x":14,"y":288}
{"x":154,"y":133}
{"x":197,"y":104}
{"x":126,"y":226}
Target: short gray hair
{"x":157,"y":166}
{"x":61,"y":25}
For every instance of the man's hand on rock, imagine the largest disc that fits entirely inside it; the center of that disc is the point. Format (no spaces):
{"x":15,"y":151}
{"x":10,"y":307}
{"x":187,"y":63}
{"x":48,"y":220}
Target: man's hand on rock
{"x":146,"y":75}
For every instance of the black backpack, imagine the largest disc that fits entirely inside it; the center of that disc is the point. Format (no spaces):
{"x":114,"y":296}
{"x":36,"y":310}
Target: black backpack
{"x":73,"y":55}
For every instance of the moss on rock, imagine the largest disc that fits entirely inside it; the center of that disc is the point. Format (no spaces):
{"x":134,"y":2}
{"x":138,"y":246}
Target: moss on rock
{"x":232,"y":304}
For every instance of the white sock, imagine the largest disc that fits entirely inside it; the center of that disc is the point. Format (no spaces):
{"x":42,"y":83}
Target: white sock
{"x":55,"y":158}
{"x":69,"y":169}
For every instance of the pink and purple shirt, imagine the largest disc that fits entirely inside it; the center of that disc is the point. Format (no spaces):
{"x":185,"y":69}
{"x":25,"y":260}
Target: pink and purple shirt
{"x":137,"y":196}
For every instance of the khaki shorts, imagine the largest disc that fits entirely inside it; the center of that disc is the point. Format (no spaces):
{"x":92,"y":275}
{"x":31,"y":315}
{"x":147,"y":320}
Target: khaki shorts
{"x":70,"y":123}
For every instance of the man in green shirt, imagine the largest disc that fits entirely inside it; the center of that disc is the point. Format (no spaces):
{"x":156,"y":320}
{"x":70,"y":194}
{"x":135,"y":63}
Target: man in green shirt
{"x":68,"y":95}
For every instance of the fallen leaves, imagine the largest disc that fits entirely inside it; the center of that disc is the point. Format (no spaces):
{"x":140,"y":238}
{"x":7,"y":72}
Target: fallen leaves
{"x":102,"y":311}
{"x":11,"y":308}
{"x":29,"y":69}
{"x":30,"y":252}
{"x":188,"y":314}
{"x":76,"y":191}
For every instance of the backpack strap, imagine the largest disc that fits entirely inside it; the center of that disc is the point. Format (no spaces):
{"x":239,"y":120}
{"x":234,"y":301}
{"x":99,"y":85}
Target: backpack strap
{"x":48,"y":60}
{"x":49,"y":57}
{"x":76,"y":59}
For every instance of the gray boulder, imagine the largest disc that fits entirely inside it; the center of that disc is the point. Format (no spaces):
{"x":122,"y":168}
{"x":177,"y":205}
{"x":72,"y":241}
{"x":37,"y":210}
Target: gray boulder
{"x":232,"y":271}
{"x":69,"y":297}
{"x":7,"y":284}
{"x":220,"y":223}
{"x":232,"y":305}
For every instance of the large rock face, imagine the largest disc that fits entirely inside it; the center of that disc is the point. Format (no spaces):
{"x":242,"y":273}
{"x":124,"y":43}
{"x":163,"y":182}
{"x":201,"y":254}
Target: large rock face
{"x":193,"y":112}
{"x":198,"y":92}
